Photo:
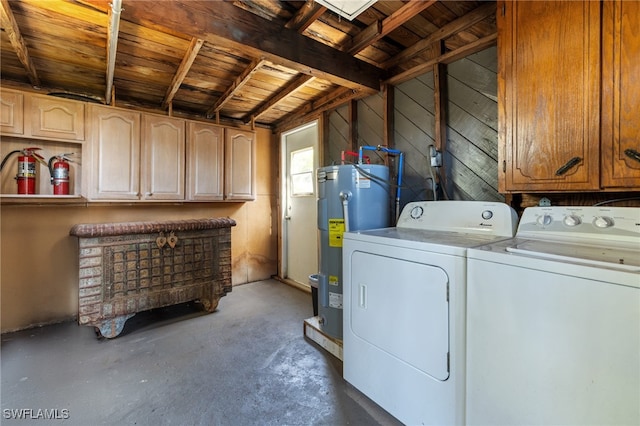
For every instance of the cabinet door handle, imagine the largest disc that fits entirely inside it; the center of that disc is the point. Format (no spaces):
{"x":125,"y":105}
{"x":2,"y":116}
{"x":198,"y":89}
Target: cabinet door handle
{"x":633,"y":154}
{"x":568,"y":165}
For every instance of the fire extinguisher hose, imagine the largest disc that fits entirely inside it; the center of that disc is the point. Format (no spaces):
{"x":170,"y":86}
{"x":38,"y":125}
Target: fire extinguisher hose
{"x":50,"y":166}
{"x":4,"y":160}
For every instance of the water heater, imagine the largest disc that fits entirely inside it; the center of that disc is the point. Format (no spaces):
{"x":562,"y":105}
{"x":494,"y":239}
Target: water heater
{"x":350,"y":198}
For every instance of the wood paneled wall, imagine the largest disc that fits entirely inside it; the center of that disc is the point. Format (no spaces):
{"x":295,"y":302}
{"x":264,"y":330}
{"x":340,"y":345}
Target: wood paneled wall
{"x":471,"y":157}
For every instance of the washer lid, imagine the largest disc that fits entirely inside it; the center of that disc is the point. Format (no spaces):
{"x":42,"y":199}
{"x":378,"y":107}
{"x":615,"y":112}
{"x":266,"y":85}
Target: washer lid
{"x":616,"y":258}
{"x":600,"y":263}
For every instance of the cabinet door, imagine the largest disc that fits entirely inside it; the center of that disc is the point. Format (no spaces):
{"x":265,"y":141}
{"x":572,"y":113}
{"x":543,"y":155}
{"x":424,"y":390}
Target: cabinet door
{"x":549,"y":95}
{"x":115,"y":154}
{"x":163,"y":153}
{"x":56,"y":118}
{"x":205,"y":162}
{"x":240,"y":161}
{"x":621,"y":94}
{"x":11,"y":113}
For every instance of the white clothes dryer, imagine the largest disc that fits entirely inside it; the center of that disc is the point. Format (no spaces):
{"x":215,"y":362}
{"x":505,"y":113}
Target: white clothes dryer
{"x":404,"y":306}
{"x":553,"y":320}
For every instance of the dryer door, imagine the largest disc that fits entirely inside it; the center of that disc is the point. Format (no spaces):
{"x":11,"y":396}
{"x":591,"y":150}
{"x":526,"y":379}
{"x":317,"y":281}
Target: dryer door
{"x":401,"y":307}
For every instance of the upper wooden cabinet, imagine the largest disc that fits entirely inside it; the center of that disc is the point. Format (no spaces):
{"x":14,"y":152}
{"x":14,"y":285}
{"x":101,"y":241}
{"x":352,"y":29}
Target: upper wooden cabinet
{"x":112,"y":160}
{"x":163,"y":158}
{"x":549,"y":95}
{"x":205,"y":162}
{"x":135,"y":156}
{"x":568,"y":95}
{"x":129,"y":155}
{"x":240,"y":165}
{"x":11,"y":113}
{"x":621,"y":94}
{"x":41,"y":117}
{"x":56,"y":118}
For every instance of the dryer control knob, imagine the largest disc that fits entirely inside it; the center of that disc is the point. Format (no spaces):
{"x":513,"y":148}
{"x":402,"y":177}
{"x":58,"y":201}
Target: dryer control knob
{"x":572,"y":220}
{"x":603,"y":222}
{"x":416,"y":212}
{"x":545,"y":220}
{"x":487,"y":214}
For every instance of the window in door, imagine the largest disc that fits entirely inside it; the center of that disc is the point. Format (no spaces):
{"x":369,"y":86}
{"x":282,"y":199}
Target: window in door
{"x":302,"y":172}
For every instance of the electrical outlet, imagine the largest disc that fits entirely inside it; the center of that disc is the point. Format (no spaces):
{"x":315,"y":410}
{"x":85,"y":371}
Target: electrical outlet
{"x":436,"y":159}
{"x":544,"y":202}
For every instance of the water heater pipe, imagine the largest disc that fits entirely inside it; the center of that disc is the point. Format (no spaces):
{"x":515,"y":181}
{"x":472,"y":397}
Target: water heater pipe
{"x":400,"y":165}
{"x":343,"y":155}
{"x":345,"y":196}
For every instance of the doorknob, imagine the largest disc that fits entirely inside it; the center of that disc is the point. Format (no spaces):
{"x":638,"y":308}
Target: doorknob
{"x":287,"y":218}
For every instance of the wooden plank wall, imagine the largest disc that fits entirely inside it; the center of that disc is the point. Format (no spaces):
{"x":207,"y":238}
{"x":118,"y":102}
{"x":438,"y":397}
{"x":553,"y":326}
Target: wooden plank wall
{"x":471,"y":157}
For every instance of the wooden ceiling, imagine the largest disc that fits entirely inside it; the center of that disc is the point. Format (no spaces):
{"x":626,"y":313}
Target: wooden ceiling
{"x":264,"y":61}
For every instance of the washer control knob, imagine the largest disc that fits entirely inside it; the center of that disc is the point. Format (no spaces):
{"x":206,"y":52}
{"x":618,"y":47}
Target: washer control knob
{"x":487,"y":214}
{"x":572,"y":220}
{"x":603,"y":222}
{"x":545,"y":220}
{"x":416,"y":212}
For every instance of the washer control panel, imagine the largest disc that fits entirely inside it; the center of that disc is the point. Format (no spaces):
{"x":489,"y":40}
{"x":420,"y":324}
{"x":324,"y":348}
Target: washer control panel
{"x":588,"y":222}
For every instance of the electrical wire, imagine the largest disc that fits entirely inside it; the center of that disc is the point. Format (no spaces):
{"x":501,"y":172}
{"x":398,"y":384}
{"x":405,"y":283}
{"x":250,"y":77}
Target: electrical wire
{"x":433,"y":183}
{"x":444,"y":190}
{"x":602,"y":203}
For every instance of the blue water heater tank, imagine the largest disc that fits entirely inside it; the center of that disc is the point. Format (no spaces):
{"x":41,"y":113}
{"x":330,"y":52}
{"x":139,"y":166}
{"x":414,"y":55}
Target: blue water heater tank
{"x":350,"y":198}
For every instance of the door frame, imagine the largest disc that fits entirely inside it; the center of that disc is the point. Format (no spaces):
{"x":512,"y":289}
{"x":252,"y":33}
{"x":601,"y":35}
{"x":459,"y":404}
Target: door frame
{"x":282,"y":195}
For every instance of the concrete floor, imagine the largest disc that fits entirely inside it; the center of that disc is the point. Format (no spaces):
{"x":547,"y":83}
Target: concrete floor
{"x":248,"y":363}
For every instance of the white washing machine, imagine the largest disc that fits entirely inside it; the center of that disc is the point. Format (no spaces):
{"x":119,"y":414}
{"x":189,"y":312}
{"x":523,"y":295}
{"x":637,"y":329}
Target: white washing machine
{"x":404,"y":306}
{"x":553,"y":320}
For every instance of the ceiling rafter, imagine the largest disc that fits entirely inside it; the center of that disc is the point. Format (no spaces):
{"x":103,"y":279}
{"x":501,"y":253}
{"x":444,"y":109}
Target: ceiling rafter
{"x":471,"y":18}
{"x":283,"y":93}
{"x":189,"y":56}
{"x":302,"y":19}
{"x":112,"y":47}
{"x":330,"y":101}
{"x":238,"y":29}
{"x":379,"y":29}
{"x":15,"y":37}
{"x":305,"y":16}
{"x":445,"y":58}
{"x":240,"y":81}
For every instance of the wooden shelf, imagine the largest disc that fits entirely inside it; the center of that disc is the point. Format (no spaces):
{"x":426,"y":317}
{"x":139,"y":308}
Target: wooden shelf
{"x":37,"y":199}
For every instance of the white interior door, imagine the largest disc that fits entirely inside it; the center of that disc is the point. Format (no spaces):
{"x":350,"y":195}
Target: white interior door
{"x":300,"y":224}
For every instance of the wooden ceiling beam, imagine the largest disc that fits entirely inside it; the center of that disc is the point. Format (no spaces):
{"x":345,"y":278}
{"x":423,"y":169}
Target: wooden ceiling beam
{"x":112,"y":47}
{"x":305,"y":16}
{"x":222,"y":23}
{"x":15,"y":38}
{"x":446,"y":58}
{"x":365,"y":38}
{"x":448,"y":30}
{"x":189,"y":56}
{"x":330,"y":101}
{"x":238,"y":83}
{"x":387,"y":25}
{"x":288,"y":90}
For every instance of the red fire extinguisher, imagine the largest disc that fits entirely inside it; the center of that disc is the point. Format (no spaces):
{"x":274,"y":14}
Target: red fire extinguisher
{"x":26,"y":176}
{"x":59,"y":171}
